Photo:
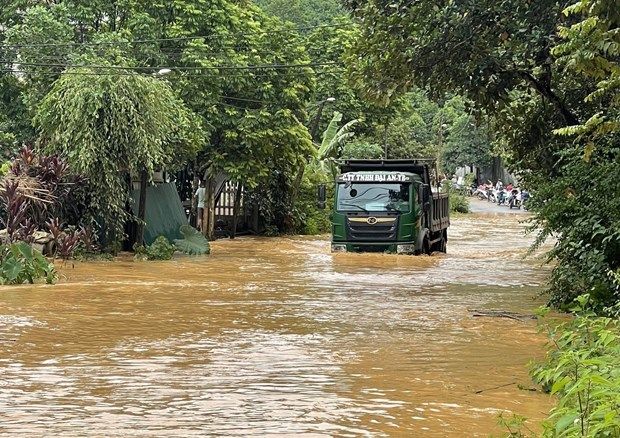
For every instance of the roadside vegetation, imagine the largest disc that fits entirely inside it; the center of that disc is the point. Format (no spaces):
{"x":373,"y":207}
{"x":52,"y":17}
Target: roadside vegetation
{"x":549,"y":76}
{"x":75,"y":85}
{"x":582,"y":369}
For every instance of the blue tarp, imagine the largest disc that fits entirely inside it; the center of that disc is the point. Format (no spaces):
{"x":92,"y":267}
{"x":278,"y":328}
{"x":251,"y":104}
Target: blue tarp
{"x":164,"y":212}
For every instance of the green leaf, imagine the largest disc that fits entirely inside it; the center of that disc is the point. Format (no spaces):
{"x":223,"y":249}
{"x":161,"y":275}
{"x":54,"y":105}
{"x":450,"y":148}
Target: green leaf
{"x":559,"y":385}
{"x":25,"y":250}
{"x":193,"y":243}
{"x":329,"y":134}
{"x":565,"y":421}
{"x":12,"y":269}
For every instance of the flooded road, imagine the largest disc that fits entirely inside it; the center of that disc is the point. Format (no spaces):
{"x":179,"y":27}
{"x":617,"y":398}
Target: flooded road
{"x":278,"y":337}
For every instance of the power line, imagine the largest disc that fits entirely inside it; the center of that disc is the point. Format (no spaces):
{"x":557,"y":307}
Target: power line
{"x":173,"y":39}
{"x":242,"y":99}
{"x":187,"y":75}
{"x":181,"y":68}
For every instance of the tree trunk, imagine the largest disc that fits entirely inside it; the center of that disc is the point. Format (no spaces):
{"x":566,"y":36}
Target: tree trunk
{"x":193,"y":207}
{"x":546,"y":91}
{"x":314,"y":132}
{"x":142,"y":208}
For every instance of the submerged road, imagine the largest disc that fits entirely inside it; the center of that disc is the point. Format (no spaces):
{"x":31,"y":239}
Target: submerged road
{"x":278,"y":337}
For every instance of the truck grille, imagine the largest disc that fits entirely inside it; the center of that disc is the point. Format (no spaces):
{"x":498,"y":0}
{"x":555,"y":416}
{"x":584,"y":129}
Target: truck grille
{"x":361,"y":229}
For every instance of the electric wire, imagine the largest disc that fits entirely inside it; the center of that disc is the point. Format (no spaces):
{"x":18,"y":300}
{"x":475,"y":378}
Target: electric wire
{"x":180,"y":68}
{"x":249,"y":74}
{"x":171,"y":39}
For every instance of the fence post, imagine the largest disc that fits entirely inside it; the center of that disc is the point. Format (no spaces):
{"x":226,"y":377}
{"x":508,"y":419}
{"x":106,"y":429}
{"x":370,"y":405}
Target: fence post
{"x":236,"y":206}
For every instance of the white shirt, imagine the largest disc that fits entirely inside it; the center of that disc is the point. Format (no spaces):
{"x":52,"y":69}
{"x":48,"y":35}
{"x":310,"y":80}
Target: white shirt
{"x":200,"y":194}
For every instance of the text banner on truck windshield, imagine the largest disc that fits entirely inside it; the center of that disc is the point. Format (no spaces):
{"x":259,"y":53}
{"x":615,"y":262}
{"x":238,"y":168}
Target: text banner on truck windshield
{"x":375,"y":177}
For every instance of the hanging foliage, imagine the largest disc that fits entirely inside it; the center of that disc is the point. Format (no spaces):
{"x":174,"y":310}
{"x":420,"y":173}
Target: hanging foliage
{"x":110,"y":127}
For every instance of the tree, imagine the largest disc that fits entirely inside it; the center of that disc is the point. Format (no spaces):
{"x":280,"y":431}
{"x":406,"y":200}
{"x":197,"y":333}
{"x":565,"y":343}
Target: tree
{"x":304,"y":13}
{"x":255,"y":116}
{"x":362,"y":149}
{"x":582,"y":205}
{"x":549,"y":75}
{"x":466,"y":143}
{"x":110,"y":127}
{"x":331,"y":146}
{"x":498,"y":54}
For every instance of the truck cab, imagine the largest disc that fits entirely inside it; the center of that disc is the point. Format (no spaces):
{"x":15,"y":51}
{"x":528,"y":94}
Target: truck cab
{"x":388,"y":206}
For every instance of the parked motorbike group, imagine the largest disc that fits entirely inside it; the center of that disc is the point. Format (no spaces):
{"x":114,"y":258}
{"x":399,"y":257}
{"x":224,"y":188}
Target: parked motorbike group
{"x":513,"y":197}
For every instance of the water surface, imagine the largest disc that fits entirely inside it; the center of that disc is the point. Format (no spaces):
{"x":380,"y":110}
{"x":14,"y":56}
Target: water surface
{"x":277,"y":337}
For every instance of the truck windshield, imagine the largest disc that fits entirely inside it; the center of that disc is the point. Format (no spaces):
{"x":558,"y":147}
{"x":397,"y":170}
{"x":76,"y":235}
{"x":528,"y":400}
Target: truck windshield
{"x":372,"y":197}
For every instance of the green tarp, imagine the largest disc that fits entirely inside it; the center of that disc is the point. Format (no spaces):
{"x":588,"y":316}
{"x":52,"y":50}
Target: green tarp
{"x":164,"y":212}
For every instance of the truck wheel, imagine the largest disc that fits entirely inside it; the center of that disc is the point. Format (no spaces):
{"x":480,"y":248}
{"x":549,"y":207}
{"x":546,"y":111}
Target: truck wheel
{"x":427,"y":247}
{"x":423,"y":244}
{"x":440,"y":245}
{"x":443,"y":243}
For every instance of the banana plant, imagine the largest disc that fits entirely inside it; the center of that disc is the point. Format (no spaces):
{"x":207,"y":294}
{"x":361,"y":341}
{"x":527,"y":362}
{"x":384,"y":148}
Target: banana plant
{"x":331,"y":146}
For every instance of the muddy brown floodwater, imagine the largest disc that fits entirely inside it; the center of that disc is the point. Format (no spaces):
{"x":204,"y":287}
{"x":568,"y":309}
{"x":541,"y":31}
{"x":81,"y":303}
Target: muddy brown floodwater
{"x":278,"y":337}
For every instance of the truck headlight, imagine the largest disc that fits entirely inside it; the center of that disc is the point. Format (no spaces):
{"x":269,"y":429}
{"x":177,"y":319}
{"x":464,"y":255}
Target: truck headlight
{"x":336,"y":247}
{"x":405,"y":249}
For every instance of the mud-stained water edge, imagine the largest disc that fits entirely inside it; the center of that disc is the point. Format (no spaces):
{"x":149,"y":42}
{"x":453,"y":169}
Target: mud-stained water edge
{"x":278,"y":337}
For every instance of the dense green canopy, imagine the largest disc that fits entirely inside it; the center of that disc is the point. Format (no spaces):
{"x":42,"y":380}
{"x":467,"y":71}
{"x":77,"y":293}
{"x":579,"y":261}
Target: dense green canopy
{"x":547,"y":71}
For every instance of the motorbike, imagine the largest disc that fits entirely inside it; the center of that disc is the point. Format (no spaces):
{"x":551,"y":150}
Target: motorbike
{"x":492,"y":195}
{"x":514,"y":200}
{"x":480,"y":192}
{"x":525,"y":196}
{"x":501,"y":197}
{"x":473,"y":189}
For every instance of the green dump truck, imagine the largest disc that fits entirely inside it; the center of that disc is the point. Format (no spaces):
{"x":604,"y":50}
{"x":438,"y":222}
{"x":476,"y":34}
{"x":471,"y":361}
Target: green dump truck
{"x":388,"y":205}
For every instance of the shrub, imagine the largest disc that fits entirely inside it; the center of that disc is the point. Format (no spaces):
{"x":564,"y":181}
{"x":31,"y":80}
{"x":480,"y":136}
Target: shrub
{"x":362,"y":148}
{"x":309,"y":219}
{"x":581,"y":208}
{"x":34,"y":193}
{"x":583,"y":369}
{"x":69,"y":242}
{"x":20,"y":263}
{"x":161,"y":249}
{"x":458,"y":202}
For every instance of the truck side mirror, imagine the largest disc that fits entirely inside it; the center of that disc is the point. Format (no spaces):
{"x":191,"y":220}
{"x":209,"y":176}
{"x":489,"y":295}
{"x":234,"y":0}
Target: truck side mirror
{"x":321,"y":197}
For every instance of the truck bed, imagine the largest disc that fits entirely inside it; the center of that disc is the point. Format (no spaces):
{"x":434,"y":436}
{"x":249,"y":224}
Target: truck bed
{"x":440,"y":211}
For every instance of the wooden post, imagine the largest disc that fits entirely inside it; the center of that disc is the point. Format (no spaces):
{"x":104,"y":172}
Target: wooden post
{"x":236,"y":207}
{"x":208,"y":214}
{"x":142,"y":208}
{"x":193,"y":207}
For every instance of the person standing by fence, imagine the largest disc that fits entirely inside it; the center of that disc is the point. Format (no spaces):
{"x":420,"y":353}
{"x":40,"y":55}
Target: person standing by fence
{"x":200,"y":198}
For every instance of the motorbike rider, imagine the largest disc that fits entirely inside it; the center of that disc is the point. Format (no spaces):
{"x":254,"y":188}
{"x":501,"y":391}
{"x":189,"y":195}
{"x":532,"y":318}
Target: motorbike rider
{"x":513,"y":200}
